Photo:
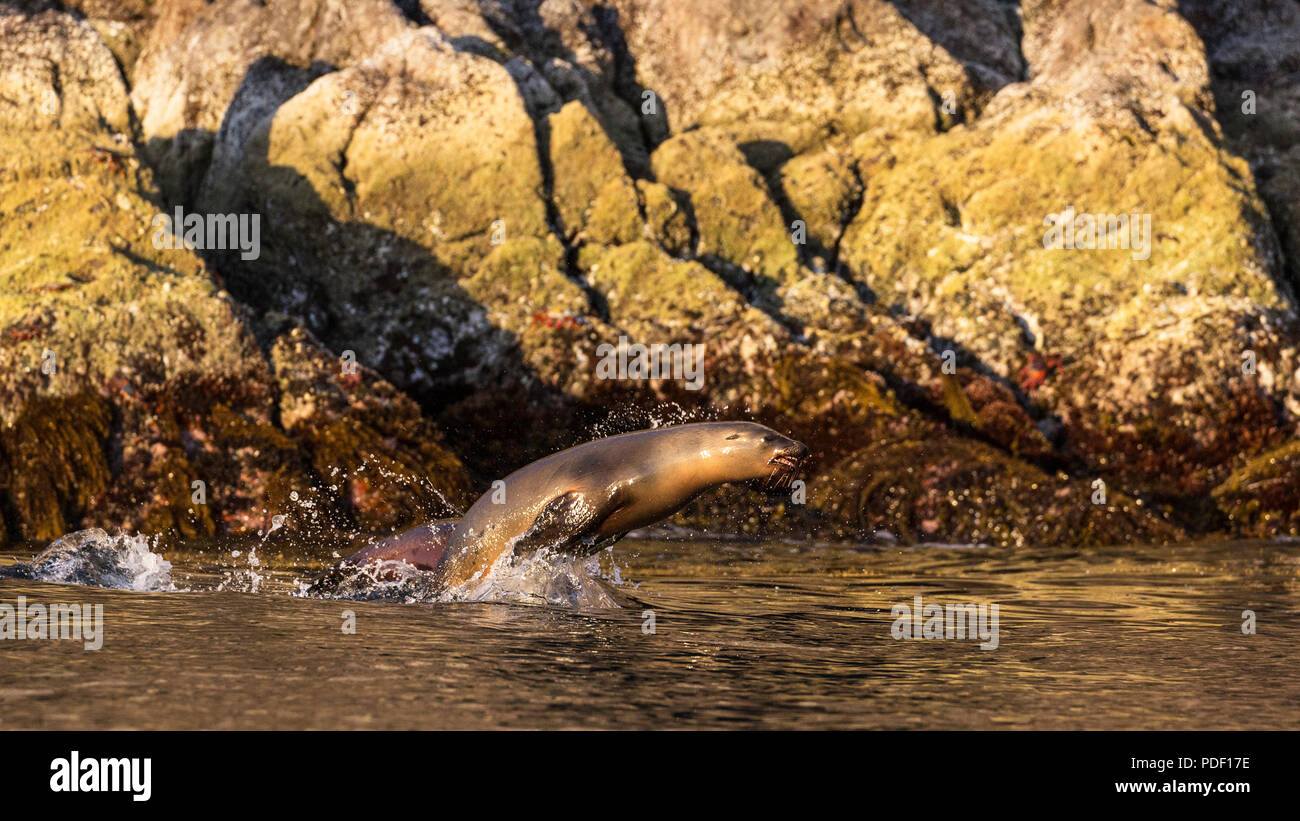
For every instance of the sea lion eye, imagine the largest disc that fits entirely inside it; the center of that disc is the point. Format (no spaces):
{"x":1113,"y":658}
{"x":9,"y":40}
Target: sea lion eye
{"x":769,"y":438}
{"x":734,"y":436}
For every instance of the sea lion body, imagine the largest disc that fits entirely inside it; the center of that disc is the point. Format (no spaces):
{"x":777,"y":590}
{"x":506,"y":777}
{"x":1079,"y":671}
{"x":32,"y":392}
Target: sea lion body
{"x":579,"y":500}
{"x":586,"y":497}
{"x":421,"y":546}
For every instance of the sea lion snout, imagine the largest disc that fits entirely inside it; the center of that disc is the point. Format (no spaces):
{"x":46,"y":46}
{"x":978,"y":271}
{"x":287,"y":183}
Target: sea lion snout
{"x":796,"y":451}
{"x":784,"y":456}
{"x":759,"y":447}
{"x":788,"y":453}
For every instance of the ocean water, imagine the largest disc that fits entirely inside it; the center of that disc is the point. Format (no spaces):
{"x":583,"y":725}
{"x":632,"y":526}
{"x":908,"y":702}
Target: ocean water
{"x":668,"y":634}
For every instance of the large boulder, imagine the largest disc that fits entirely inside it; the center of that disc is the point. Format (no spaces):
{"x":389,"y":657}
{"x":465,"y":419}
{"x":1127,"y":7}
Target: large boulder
{"x":1138,"y":351}
{"x":577,"y":47}
{"x":194,"y":59}
{"x":781,"y":78}
{"x":383,"y":184}
{"x":134,"y":392}
{"x":125,"y":357}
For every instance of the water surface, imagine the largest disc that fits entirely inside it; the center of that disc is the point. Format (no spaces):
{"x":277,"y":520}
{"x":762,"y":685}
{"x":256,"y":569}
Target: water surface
{"x":773,"y":635}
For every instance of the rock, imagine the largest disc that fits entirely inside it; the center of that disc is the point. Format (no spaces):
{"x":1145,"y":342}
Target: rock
{"x":649,"y":292}
{"x":90,"y":308}
{"x":577,"y":48}
{"x":267,"y":85}
{"x":960,"y":492}
{"x":824,"y":189}
{"x":787,"y":76}
{"x":1262,"y":497}
{"x":542,"y":316}
{"x":596,"y":200}
{"x":124,"y":361}
{"x":740,"y":229}
{"x":123,"y":24}
{"x":388,"y":181}
{"x":194,"y":60}
{"x":669,"y":220}
{"x":951,"y":230}
{"x":1250,"y":48}
{"x":472,"y":198}
{"x":57,"y":73}
{"x":386,"y":463}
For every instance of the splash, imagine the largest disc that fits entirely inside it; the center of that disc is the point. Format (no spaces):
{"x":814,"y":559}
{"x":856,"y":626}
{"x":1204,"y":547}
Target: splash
{"x":249,"y":579}
{"x":395,"y":581}
{"x":94,"y":558}
{"x":544,"y":577}
{"x":637,"y":417}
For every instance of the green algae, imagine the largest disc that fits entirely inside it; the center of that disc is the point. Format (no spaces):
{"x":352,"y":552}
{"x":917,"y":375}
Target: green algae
{"x":595,"y":198}
{"x":668,"y":217}
{"x":736,"y":221}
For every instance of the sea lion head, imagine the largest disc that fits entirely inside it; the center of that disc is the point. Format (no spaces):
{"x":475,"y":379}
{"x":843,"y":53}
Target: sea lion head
{"x":756,"y":454}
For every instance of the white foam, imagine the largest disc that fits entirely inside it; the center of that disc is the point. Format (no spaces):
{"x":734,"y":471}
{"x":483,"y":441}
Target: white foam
{"x":94,"y":558}
{"x":541,"y":578}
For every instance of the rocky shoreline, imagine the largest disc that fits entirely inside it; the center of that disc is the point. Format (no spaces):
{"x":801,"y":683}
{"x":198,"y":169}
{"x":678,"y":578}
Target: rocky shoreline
{"x":460,"y":202}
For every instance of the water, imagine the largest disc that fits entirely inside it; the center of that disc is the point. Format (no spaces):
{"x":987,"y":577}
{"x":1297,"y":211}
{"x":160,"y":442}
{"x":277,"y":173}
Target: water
{"x":746,"y":635}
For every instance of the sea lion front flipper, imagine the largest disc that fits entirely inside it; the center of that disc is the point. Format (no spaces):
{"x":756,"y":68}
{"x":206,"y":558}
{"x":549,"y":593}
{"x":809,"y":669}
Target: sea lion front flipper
{"x":567,"y":521}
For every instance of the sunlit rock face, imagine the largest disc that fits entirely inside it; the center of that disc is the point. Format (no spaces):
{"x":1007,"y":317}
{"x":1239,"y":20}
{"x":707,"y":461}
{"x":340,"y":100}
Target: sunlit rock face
{"x":194,"y":60}
{"x":979,"y":256}
{"x":133,"y":392}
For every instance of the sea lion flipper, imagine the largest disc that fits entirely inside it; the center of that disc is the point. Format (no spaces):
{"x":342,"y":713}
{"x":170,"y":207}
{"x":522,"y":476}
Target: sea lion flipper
{"x":566,"y":521}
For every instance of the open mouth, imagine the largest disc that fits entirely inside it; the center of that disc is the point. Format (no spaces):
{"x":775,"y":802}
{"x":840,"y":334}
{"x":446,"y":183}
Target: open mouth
{"x":784,"y":465}
{"x":785,"y":461}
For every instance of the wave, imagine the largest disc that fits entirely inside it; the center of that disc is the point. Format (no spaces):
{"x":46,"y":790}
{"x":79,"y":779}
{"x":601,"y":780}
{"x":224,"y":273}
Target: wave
{"x":95,"y":559}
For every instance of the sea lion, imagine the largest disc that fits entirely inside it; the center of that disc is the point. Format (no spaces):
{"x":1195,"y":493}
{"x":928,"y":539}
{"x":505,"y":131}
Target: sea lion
{"x":420,"y":547}
{"x":583,"y":499}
